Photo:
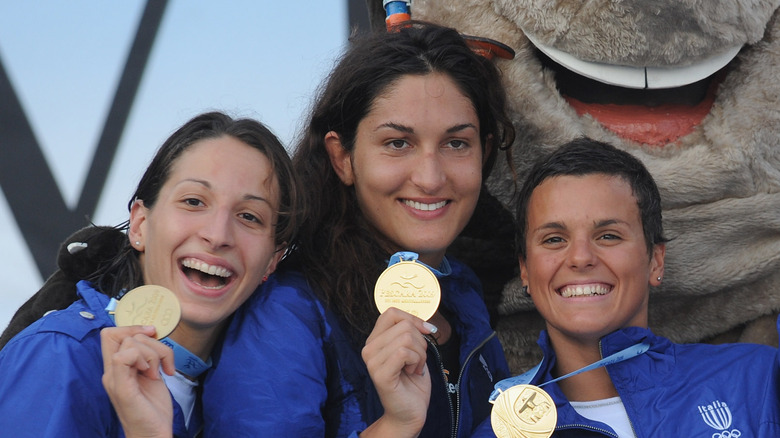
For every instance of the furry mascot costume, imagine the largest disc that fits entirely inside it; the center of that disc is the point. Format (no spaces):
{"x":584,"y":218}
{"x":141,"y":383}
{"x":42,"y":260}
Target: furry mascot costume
{"x":692,"y":88}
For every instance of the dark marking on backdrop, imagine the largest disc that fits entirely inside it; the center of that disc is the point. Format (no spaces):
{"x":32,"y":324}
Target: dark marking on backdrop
{"x":25,"y":178}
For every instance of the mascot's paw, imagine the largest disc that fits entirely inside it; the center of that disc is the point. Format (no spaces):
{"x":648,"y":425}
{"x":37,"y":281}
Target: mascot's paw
{"x":83,"y":253}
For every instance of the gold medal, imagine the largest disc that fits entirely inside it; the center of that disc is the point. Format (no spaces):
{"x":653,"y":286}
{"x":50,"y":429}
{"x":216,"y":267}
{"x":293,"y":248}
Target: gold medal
{"x":408,"y":286}
{"x":524,"y":411}
{"x":149,"y":305}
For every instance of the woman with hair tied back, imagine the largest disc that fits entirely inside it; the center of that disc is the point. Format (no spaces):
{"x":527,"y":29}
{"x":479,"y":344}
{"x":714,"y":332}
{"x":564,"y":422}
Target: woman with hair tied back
{"x":209,"y":221}
{"x":393,"y":158}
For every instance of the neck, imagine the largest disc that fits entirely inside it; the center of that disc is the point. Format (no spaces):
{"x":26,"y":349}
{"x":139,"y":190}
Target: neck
{"x":432,"y":260}
{"x":198,"y":342}
{"x":572,"y":355}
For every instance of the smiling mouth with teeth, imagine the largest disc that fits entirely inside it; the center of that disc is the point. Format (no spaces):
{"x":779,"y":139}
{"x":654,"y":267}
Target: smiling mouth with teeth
{"x":584,"y":290}
{"x":203,"y":274}
{"x":425,"y":207}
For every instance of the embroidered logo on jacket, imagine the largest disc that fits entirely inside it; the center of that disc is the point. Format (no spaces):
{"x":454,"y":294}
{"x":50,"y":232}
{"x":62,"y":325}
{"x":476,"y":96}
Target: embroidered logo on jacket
{"x":718,"y":416}
{"x":486,"y":367}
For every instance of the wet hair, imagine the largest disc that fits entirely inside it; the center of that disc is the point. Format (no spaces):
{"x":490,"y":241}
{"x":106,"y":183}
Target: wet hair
{"x":124,"y":271}
{"x":341,"y":253}
{"x":584,"y":156}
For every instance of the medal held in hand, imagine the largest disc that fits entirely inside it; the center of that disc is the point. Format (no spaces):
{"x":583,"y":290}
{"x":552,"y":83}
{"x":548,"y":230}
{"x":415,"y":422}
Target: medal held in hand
{"x":149,"y":305}
{"x":408,"y":286}
{"x":524,"y":411}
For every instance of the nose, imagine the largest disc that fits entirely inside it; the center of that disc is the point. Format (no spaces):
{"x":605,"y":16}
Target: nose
{"x":429,"y":173}
{"x":581,"y":254}
{"x":217,"y":229}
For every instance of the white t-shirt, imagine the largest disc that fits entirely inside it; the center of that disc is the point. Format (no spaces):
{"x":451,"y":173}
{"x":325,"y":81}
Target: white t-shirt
{"x":183,"y":390}
{"x":609,"y":411}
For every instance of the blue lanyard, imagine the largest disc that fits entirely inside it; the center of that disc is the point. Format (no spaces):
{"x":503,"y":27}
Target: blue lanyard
{"x":525,"y":378}
{"x":408,"y":256}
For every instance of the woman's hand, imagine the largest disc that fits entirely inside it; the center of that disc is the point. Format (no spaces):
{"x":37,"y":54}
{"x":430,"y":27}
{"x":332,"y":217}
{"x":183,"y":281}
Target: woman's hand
{"x":395,"y":354}
{"x":131,"y":362}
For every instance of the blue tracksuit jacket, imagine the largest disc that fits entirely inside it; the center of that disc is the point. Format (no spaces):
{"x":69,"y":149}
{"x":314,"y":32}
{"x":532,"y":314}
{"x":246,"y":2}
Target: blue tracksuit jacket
{"x":50,"y":384}
{"x":287,"y":367}
{"x":678,"y":390}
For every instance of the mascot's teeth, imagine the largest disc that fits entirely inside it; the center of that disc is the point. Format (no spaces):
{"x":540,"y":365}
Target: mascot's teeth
{"x":587,"y":290}
{"x":425,"y":207}
{"x":206,"y":268}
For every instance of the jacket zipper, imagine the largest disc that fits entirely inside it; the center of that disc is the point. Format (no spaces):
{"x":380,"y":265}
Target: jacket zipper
{"x":630,"y":423}
{"x":453,"y":418}
{"x":456,"y":415}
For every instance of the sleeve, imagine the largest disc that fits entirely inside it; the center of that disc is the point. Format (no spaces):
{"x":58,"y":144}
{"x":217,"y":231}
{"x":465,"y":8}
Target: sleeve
{"x":51,"y":387}
{"x":269,"y":379}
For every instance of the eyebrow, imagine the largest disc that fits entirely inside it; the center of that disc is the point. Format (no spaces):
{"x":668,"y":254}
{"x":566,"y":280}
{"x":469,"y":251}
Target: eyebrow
{"x":410,"y":130}
{"x":549,"y":226}
{"x":607,"y":222}
{"x":246,"y":197}
{"x":559,"y":226}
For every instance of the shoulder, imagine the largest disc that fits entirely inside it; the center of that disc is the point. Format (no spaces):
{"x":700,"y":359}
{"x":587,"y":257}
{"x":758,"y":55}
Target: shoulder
{"x":283,"y":296}
{"x":57,"y":362}
{"x":83,"y":318}
{"x":284,"y":307}
{"x":460,"y":269}
{"x":736,"y":353}
{"x":462,"y":277}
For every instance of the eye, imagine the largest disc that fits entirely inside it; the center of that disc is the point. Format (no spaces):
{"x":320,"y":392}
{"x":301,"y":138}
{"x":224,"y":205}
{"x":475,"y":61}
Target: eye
{"x":609,"y":236}
{"x":250,"y":218}
{"x":193,"y":202}
{"x":552,"y":240}
{"x":457,"y":144}
{"x":397,"y":144}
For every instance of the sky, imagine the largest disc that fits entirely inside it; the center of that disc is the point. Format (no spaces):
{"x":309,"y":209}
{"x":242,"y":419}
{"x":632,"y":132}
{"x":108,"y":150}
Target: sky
{"x":250,"y":58}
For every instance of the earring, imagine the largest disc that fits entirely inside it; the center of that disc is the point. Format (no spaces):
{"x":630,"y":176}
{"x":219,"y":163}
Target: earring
{"x":659,"y":278}
{"x":265,"y":278}
{"x":137,"y":243}
{"x":525,"y":291}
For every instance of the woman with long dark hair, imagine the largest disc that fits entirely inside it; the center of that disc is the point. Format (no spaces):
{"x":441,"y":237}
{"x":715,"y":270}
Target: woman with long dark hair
{"x":392,"y":160}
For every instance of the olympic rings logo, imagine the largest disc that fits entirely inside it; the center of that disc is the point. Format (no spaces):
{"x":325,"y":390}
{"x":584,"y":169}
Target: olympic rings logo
{"x":727,"y":434}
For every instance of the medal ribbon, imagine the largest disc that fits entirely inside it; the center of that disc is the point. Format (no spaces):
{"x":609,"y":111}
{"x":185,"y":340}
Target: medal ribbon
{"x":525,"y":378}
{"x":186,"y":363}
{"x":408,"y":256}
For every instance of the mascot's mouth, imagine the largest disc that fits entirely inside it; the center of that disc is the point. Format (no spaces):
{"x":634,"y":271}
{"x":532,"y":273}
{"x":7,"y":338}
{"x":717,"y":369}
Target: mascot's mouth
{"x":654,"y":117}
